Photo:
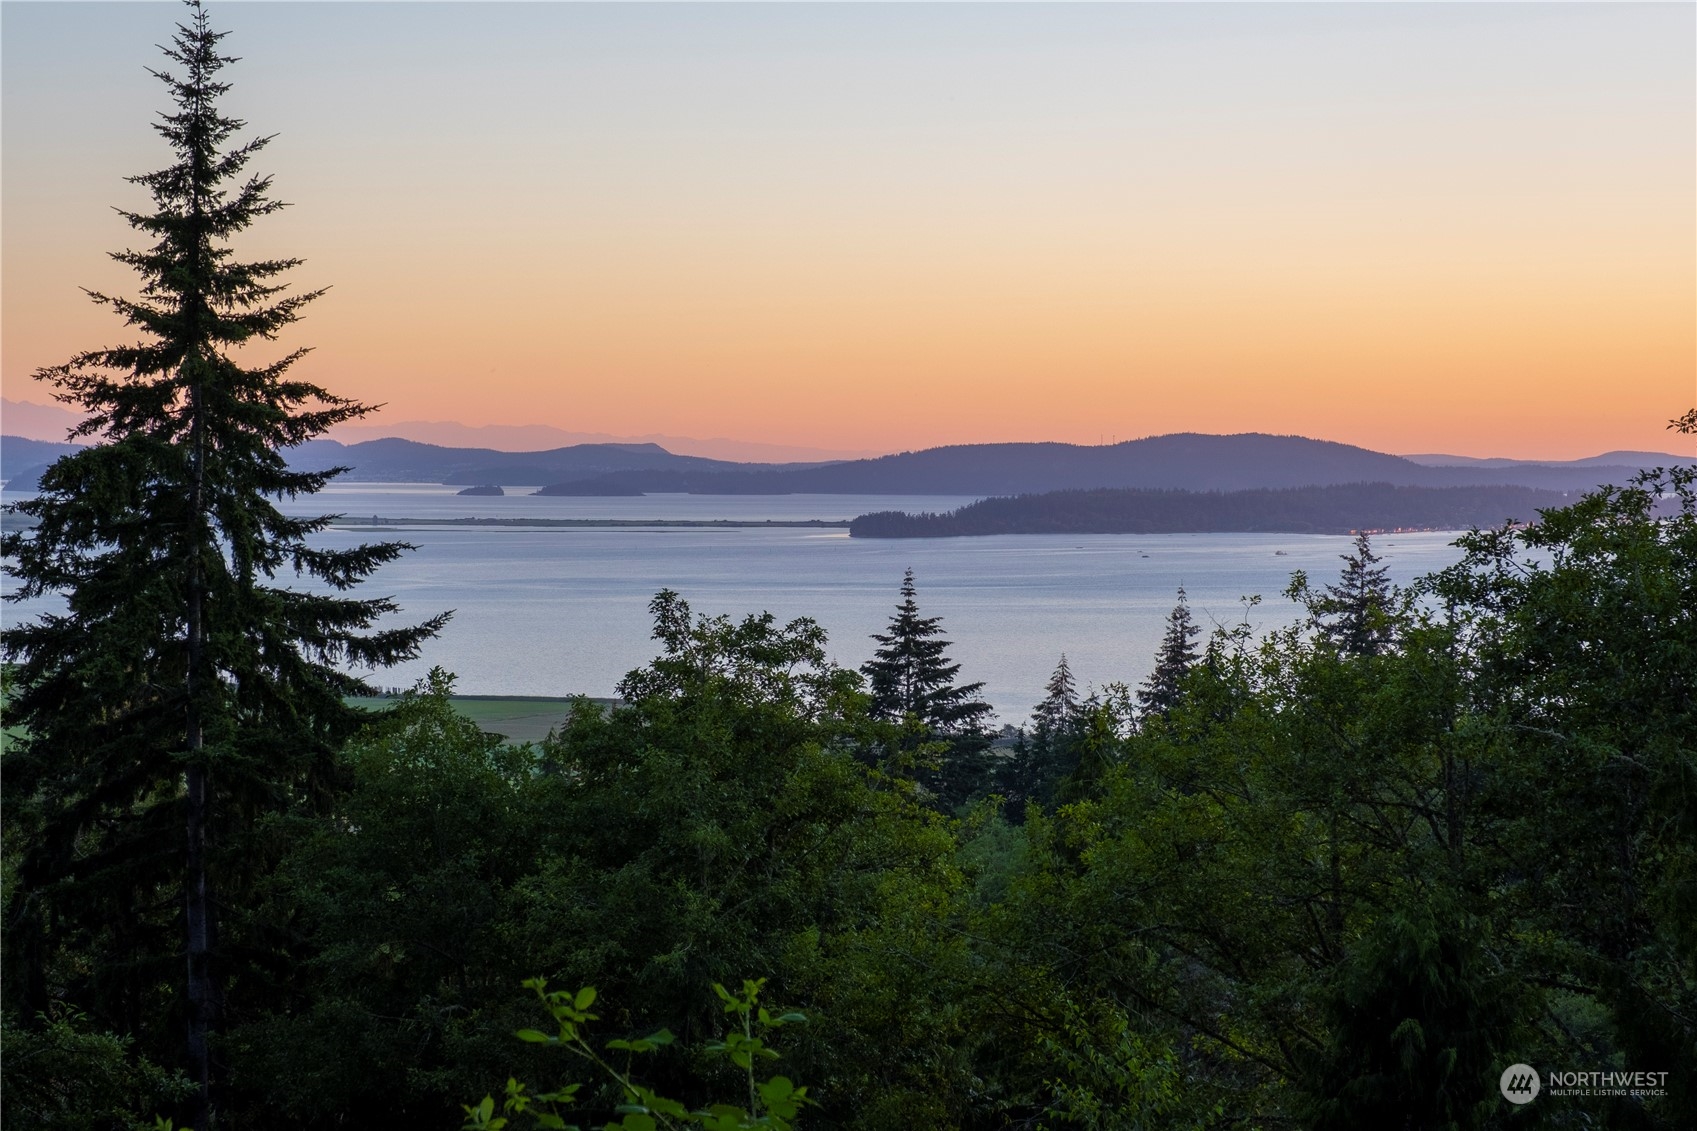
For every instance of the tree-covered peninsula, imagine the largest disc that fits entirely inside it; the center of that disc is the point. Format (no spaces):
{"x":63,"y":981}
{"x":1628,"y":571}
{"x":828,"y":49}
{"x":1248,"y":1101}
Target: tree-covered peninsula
{"x":1341,"y":509}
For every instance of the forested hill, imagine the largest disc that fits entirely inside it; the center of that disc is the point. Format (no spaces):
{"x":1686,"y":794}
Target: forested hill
{"x":1186,"y":461}
{"x":1300,"y":510}
{"x":21,"y":456}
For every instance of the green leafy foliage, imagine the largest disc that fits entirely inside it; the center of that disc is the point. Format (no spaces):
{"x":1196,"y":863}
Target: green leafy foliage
{"x":1046,"y":752}
{"x":1419,"y":1022}
{"x":1108,"y":1076}
{"x":393,"y":906}
{"x":773,"y":1102}
{"x":1352,"y":884}
{"x":1581,"y":635}
{"x":61,"y":1074}
{"x":719,"y":815}
{"x":721,"y":820}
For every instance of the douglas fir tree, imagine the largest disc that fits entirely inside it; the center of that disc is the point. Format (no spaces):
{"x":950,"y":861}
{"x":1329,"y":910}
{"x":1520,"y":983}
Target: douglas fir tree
{"x":1161,"y":692}
{"x":913,"y":684}
{"x":1355,"y":613}
{"x":1048,"y":751}
{"x":184,"y":689}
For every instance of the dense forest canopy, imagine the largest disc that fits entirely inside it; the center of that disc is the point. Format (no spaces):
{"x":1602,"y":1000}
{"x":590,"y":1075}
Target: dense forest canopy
{"x":1339,"y":876}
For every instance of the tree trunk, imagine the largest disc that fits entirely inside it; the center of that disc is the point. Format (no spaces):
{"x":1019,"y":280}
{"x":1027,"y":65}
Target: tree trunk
{"x":202,"y":989}
{"x":198,"y":911}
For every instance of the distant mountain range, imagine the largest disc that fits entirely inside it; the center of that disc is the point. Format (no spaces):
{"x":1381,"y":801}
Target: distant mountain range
{"x":1183,"y":461}
{"x":402,"y":461}
{"x":407,"y":461}
{"x":30,"y":421}
{"x":542,"y":437}
{"x":1607,"y":459}
{"x":50,"y":422}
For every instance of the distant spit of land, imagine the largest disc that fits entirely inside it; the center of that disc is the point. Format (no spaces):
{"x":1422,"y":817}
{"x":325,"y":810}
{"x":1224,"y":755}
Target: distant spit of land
{"x":354,"y":522}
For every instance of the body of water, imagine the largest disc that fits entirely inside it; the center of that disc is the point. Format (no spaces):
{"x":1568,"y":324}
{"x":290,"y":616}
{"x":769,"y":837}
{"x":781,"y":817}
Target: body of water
{"x":565,"y":611}
{"x":428,"y":500}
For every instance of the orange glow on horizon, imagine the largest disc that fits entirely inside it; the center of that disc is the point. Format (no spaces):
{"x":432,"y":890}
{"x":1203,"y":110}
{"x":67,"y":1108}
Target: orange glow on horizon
{"x":1396,"y":235}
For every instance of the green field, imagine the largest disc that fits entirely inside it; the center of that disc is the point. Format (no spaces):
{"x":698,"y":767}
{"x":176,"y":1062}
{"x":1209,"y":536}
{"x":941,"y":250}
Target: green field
{"x":517,"y":718}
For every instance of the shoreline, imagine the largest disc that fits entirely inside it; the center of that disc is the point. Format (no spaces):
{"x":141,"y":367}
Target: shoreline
{"x":376,"y":522}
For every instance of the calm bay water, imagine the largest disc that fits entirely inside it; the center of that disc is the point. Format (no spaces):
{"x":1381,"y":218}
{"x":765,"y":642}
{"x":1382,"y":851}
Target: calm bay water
{"x":564,"y":611}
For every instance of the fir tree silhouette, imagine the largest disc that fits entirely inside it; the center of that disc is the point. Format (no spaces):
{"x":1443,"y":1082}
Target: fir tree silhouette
{"x":1160,"y":693}
{"x":185,"y":689}
{"x":913,"y":683}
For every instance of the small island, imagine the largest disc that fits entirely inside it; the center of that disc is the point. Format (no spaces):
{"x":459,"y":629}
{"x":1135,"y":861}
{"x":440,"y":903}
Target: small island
{"x":483,"y":489}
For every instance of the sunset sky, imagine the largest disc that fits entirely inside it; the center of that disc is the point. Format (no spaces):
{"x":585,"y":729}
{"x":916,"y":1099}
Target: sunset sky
{"x":1438,"y":228}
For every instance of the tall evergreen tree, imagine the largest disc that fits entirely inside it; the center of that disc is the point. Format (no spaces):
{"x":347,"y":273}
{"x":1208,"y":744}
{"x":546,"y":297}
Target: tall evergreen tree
{"x":1058,"y":711}
{"x":1161,"y":691}
{"x":1354,"y":614}
{"x":913,"y":682}
{"x":1047,"y":751}
{"x":910,"y":673}
{"x":185,"y":688}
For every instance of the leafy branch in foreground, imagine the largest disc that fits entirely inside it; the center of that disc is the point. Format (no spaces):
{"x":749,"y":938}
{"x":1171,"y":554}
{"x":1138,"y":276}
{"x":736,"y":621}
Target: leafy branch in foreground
{"x":772,"y":1103}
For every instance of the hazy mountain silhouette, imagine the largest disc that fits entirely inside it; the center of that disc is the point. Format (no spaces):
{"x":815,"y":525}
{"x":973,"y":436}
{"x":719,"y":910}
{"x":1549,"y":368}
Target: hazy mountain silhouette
{"x":26,"y":420}
{"x":540,"y":437}
{"x":29,"y":420}
{"x":1182,"y":461}
{"x":407,"y":461}
{"x":1607,"y":459}
{"x":396,"y":460}
{"x":1187,"y":461}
